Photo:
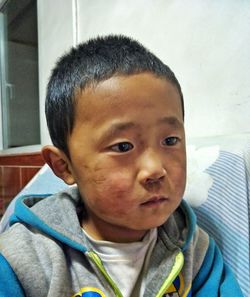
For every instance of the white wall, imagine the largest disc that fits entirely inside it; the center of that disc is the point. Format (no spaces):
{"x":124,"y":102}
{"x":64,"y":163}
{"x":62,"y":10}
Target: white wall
{"x":205,"y":42}
{"x":56,"y":33}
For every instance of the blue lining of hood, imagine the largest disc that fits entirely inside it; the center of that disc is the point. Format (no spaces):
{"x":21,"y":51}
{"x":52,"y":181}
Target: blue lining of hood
{"x":23,"y":214}
{"x":191,"y":222}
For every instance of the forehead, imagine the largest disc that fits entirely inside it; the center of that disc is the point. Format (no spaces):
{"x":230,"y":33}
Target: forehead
{"x":125,"y":94}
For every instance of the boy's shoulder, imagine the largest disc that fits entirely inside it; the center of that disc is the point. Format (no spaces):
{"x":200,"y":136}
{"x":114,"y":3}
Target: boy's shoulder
{"x":41,"y":223}
{"x":21,"y":242}
{"x":29,"y":254}
{"x":182,"y":228}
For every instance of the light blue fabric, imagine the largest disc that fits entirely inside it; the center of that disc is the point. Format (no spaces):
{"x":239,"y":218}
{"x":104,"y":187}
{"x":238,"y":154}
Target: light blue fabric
{"x":225,"y":213}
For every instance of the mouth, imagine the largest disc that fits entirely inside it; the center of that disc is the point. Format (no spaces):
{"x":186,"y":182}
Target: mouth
{"x":154,"y":201}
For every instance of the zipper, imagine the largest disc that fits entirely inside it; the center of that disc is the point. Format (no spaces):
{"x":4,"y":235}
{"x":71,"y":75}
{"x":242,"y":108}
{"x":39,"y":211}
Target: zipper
{"x":178,"y":264}
{"x":98,"y":262}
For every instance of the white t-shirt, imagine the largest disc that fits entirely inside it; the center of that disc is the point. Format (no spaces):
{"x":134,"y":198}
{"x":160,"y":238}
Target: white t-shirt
{"x":125,"y":261}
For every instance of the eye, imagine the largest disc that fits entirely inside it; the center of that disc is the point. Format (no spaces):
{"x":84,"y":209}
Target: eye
{"x":122,"y":147}
{"x":170,"y":141}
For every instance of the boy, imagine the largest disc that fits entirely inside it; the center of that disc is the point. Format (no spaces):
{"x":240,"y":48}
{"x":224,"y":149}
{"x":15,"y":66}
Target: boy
{"x":115,"y":114}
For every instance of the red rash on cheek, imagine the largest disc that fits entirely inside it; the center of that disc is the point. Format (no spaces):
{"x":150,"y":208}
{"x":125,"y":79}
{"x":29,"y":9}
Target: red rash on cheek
{"x":114,"y":181}
{"x":110,"y":190}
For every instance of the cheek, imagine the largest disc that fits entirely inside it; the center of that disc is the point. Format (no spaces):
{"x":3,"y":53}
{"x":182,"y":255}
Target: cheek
{"x":108,"y":181}
{"x":179,"y":179}
{"x":107,"y":191}
{"x":177,"y":175}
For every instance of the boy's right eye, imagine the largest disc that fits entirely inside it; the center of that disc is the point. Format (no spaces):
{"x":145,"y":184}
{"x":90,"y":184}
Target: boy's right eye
{"x":122,"y":147}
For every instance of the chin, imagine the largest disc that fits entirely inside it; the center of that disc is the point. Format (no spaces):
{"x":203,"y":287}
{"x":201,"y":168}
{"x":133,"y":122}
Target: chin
{"x":159,"y":222}
{"x":151,"y":225}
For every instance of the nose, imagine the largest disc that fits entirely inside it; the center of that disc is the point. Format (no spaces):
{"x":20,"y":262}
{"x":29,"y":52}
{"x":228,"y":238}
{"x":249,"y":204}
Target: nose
{"x":151,"y":168}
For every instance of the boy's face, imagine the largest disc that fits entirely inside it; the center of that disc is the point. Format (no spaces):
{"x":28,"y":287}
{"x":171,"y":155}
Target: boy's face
{"x":127,"y":153}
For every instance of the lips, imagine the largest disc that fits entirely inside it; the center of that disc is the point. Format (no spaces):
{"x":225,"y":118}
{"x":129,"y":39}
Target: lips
{"x":154,"y":201}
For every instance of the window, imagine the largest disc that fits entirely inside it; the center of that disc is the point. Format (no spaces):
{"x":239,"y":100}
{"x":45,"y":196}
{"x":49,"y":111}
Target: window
{"x":19,"y":74}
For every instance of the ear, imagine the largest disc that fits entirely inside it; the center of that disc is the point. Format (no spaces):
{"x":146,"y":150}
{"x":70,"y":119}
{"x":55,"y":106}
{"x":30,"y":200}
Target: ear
{"x":59,"y":163}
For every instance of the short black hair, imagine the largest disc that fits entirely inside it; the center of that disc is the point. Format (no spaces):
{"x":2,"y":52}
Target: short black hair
{"x":91,"y":62}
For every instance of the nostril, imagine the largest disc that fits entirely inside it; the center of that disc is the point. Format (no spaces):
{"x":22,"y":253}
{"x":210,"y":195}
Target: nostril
{"x":162,"y":177}
{"x":154,"y":180}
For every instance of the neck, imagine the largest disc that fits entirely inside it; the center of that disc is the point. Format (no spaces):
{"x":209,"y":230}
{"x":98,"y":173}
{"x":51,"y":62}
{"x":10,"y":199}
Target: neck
{"x":109,"y":232}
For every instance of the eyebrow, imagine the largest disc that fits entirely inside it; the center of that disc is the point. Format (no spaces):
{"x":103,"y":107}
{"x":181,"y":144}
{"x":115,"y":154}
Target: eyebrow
{"x":171,"y":121}
{"x":115,"y":129}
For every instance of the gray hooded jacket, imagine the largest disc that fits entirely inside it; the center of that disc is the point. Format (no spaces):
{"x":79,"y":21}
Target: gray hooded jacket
{"x":45,"y":253}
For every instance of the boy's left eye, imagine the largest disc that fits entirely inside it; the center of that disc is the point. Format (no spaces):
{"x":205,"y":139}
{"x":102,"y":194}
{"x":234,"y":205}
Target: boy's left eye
{"x":122,"y":147}
{"x":170,"y":141}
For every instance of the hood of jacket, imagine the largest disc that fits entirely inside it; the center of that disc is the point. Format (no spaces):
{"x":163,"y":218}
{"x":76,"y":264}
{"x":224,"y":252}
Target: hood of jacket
{"x":57,"y":215}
